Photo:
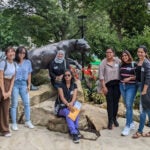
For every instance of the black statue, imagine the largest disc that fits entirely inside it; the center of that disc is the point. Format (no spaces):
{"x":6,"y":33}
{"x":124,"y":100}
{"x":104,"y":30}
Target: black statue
{"x":41,"y":57}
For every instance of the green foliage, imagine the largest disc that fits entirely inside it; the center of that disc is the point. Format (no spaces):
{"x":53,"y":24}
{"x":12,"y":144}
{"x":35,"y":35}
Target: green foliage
{"x":110,"y":23}
{"x":137,"y":101}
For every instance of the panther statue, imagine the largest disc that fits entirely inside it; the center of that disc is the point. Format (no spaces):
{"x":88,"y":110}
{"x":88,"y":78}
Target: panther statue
{"x":40,"y":57}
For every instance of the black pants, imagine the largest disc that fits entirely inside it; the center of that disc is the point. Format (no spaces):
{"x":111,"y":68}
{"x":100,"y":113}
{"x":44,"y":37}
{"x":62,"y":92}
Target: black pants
{"x":112,"y":98}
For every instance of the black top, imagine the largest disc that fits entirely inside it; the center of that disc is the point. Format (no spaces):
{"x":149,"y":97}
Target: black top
{"x":127,"y":70}
{"x":138,"y":73}
{"x":68,"y":92}
{"x":57,"y":69}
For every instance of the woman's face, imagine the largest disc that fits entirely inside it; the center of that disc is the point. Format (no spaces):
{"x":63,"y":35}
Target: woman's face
{"x":125,"y":57}
{"x":10,"y":54}
{"x":67,"y":76}
{"x":60,"y":55}
{"x":22,"y":54}
{"x":141,"y":53}
{"x":109,"y":54}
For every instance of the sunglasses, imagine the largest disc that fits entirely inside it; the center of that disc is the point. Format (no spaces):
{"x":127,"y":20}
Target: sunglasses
{"x":67,"y":75}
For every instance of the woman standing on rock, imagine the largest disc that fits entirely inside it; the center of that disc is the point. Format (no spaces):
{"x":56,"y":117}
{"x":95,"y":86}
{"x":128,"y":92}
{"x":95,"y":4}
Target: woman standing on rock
{"x":7,"y":76}
{"x":109,"y":78}
{"x":57,"y":68}
{"x":128,"y":88}
{"x":64,"y":104}
{"x":143,"y":79}
{"x":22,"y":87}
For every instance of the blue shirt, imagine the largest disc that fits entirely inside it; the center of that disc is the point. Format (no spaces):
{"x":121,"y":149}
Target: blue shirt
{"x":10,"y":69}
{"x":23,"y":70}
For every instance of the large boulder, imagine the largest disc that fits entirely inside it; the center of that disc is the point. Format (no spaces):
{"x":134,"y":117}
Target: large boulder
{"x":45,"y":92}
{"x":90,"y":117}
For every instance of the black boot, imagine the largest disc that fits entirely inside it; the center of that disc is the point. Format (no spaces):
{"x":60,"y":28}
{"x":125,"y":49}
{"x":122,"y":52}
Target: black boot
{"x":116,"y":123}
{"x":110,"y":123}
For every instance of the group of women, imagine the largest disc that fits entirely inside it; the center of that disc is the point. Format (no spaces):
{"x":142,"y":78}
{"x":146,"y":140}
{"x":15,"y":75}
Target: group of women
{"x":15,"y":79}
{"x":118,"y":76}
{"x":125,"y":76}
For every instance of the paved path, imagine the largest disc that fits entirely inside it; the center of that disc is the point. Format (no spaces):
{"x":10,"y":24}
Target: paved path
{"x":42,"y":139}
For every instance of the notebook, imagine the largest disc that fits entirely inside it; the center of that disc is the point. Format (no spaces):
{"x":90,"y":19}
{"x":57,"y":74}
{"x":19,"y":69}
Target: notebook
{"x":77,"y":108}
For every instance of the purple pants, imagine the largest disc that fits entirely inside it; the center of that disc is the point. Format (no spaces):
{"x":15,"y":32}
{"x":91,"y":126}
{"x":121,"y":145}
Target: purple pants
{"x":72,"y":125}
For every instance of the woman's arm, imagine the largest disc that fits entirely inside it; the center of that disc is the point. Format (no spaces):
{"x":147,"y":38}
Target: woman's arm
{"x":2,"y":82}
{"x":61,"y":94}
{"x":147,"y":77}
{"x":29,"y":82}
{"x":11,"y":86}
{"x":74,"y":97}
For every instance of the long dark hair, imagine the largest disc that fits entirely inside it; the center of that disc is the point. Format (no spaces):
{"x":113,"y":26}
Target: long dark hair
{"x":72,"y":78}
{"x":145,"y":50}
{"x":19,"y":50}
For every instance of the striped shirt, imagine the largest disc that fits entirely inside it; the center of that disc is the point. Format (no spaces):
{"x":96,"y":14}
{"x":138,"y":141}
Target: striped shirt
{"x":127,"y":70}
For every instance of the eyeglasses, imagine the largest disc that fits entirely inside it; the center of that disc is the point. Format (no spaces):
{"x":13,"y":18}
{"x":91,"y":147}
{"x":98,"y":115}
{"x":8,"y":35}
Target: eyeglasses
{"x":67,"y":75}
{"x":124,"y":55}
{"x":22,"y":53}
{"x":109,"y":52}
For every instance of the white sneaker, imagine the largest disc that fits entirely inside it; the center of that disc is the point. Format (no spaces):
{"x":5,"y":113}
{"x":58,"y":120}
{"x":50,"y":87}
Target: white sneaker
{"x":29,"y":124}
{"x":126,"y":131}
{"x":14,"y":127}
{"x":7,"y":135}
{"x":132,"y":126}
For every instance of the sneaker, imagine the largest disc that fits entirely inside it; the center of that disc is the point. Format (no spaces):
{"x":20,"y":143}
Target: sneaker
{"x":7,"y":135}
{"x":29,"y":124}
{"x":14,"y":127}
{"x":75,"y":138}
{"x":126,"y":131}
{"x":132,"y":126}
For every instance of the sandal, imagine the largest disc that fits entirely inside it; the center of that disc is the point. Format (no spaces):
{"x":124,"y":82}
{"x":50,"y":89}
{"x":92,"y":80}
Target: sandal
{"x":137,"y":135}
{"x":146,"y":134}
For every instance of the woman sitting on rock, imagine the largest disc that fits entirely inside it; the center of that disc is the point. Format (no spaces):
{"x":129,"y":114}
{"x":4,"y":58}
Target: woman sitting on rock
{"x":64,"y":104}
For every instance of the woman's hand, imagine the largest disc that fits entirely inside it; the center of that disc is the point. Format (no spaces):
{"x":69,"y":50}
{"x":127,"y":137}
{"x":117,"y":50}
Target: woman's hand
{"x":144,"y":92}
{"x":105,"y":90}
{"x":126,"y":80}
{"x":6,"y":95}
{"x":70,"y":107}
{"x":28,"y":88}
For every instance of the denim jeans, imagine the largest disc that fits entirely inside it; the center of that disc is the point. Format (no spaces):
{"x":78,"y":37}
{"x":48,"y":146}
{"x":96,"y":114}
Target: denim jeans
{"x":128,"y":92}
{"x":142,"y":112}
{"x":20,"y":87}
{"x":142,"y":120}
{"x":72,"y":125}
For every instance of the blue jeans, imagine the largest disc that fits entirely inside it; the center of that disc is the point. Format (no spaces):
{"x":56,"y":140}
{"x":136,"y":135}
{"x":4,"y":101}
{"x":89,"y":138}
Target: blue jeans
{"x":72,"y":125}
{"x":142,"y":120}
{"x":128,"y":92}
{"x":20,"y":87}
{"x":142,"y":112}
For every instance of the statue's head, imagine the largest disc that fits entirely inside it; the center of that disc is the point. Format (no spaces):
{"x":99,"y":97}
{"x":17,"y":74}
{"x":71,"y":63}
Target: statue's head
{"x":82,"y":45}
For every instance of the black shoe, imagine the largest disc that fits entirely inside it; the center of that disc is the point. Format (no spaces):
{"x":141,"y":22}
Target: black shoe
{"x":78,"y":133}
{"x":116,"y":123}
{"x":148,"y":124}
{"x":110,"y":125}
{"x":75,"y":138}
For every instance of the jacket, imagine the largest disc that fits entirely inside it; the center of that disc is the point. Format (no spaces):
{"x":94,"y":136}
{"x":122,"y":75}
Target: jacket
{"x":145,"y":79}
